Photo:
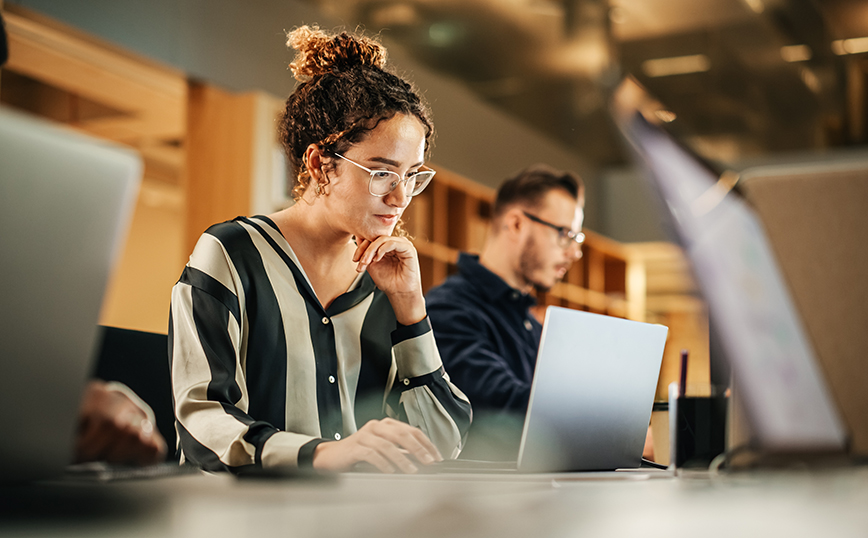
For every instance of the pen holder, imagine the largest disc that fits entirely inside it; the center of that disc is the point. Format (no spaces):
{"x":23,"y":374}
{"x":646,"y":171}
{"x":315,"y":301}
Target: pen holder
{"x":697,"y":430}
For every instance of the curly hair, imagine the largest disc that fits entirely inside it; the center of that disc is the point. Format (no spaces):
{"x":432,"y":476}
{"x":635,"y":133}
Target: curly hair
{"x":345,"y":91}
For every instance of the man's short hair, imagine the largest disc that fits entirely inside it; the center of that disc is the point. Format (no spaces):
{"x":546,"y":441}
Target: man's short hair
{"x":529,"y":186}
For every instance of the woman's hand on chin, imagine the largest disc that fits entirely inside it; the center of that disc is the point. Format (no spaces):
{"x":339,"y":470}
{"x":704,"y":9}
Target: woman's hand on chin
{"x":393,"y":264}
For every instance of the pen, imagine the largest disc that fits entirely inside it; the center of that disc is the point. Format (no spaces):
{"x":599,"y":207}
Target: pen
{"x":682,"y":387}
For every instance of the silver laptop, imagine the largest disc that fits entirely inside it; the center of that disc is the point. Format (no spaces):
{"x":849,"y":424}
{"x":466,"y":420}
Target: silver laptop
{"x":65,"y":205}
{"x":591,"y":397}
{"x":592,"y":393}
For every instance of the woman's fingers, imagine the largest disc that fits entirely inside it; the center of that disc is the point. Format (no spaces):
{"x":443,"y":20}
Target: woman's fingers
{"x":411,"y":439}
{"x":379,"y":461}
{"x":366,"y":251}
{"x":386,"y":444}
{"x":360,"y":249}
{"x":369,"y":252}
{"x":383,"y":450}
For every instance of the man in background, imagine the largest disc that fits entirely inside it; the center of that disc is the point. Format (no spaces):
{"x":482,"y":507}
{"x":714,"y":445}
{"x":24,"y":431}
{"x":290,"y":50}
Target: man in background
{"x":485,"y":331}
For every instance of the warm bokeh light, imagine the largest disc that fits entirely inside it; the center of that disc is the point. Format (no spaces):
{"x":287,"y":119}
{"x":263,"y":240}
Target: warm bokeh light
{"x":856,"y":45}
{"x":796,"y":53}
{"x":676,"y":65}
{"x":757,"y":6}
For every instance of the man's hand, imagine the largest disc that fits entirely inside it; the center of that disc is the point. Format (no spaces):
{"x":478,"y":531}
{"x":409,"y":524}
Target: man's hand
{"x":116,"y":427}
{"x":385,"y":444}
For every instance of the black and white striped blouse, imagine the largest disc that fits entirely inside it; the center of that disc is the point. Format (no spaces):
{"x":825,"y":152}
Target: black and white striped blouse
{"x":261,"y":373}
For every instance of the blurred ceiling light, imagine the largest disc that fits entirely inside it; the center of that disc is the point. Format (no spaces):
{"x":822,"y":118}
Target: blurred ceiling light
{"x":757,"y":6}
{"x":666,"y":116}
{"x":586,"y":56}
{"x":677,"y":65}
{"x":856,"y":45}
{"x":796,"y":53}
{"x":396,"y":15}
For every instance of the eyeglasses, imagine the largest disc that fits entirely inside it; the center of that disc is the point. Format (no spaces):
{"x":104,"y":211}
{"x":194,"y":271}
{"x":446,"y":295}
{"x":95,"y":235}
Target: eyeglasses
{"x":566,"y":237}
{"x":383,"y":181}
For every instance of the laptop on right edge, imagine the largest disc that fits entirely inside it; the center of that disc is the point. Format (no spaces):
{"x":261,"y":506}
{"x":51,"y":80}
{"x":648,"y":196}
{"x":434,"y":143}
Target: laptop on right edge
{"x":787,"y":402}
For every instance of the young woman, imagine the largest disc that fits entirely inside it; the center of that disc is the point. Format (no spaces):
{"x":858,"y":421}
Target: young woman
{"x":301,"y":338}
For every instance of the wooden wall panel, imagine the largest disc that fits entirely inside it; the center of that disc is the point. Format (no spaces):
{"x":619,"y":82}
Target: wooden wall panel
{"x":219,"y":158}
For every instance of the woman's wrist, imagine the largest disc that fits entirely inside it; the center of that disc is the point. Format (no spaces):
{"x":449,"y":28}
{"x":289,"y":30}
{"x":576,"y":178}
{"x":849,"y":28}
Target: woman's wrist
{"x":409,"y":307}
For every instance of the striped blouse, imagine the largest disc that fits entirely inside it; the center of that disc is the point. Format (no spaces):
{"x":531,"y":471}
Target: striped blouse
{"x":262,"y":374}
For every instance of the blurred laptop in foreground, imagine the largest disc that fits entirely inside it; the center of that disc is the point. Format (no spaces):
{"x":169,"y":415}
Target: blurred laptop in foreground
{"x":65,"y":206}
{"x":786,"y":399}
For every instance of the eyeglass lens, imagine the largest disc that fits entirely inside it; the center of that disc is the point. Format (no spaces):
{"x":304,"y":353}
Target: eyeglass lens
{"x":383,"y":182}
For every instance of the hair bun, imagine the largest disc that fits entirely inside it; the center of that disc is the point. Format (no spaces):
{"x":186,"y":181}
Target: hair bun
{"x":319,"y":52}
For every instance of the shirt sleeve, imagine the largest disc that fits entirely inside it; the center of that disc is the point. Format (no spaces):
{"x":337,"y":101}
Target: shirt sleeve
{"x":422,"y":393}
{"x":209,"y":389}
{"x":472,"y":358}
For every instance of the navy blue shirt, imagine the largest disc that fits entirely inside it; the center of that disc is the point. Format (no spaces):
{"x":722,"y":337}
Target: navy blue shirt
{"x":486,"y":335}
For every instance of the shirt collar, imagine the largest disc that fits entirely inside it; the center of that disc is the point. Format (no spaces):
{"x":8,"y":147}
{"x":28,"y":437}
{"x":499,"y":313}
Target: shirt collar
{"x":489,"y":283}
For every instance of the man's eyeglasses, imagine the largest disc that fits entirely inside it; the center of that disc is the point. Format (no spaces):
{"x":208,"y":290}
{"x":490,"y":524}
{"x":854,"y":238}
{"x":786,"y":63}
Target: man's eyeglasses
{"x":566,"y":237}
{"x":383,"y":181}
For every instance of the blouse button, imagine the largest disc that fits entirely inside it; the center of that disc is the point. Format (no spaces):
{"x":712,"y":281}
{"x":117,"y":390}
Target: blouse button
{"x":325,"y":321}
{"x":528,"y":325}
{"x":337,"y":437}
{"x":331,"y":379}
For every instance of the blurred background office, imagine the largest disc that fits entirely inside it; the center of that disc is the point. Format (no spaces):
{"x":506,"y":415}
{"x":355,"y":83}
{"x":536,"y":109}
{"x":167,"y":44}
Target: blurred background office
{"x":195,"y":86}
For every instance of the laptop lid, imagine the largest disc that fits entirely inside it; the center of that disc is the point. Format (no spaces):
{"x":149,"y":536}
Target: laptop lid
{"x":786,"y":399}
{"x":65,"y":204}
{"x":814,"y":214}
{"x":592,"y":393}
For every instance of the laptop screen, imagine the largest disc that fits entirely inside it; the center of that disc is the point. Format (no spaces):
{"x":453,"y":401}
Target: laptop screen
{"x":786,"y":398}
{"x":592,"y":393}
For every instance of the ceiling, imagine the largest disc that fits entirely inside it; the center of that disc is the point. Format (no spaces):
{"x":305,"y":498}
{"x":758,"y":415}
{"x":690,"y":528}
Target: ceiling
{"x":741,"y":78}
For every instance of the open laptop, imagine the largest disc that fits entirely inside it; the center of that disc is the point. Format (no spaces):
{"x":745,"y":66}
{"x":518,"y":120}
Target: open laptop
{"x":591,"y":396}
{"x":592,"y":393}
{"x":65,"y":204}
{"x":786,"y":399}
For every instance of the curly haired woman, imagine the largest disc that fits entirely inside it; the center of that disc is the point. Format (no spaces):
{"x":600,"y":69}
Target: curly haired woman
{"x":301,"y":338}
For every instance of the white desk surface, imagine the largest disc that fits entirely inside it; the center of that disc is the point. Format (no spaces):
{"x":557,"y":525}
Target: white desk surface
{"x":788,"y":504}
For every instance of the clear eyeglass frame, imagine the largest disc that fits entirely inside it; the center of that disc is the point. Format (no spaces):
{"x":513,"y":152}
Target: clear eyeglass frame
{"x":384,"y":182}
{"x":566,"y":237}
